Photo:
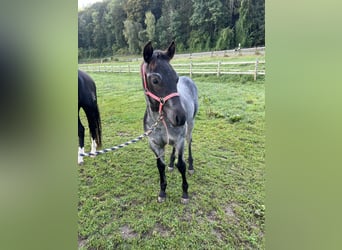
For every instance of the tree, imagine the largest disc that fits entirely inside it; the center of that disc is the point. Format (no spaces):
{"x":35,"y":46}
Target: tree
{"x":250,"y":28}
{"x":206,"y":19}
{"x":115,"y":17}
{"x":180,"y":23}
{"x":225,"y":39}
{"x":131,"y":33}
{"x":85,"y":31}
{"x":135,"y":10}
{"x":150,"y":22}
{"x":117,"y":26}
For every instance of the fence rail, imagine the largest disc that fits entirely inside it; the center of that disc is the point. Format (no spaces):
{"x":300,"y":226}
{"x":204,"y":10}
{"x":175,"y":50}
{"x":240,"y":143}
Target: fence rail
{"x":219,"y":68}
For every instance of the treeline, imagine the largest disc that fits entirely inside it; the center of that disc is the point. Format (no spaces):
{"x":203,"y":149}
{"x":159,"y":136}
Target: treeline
{"x":124,"y":26}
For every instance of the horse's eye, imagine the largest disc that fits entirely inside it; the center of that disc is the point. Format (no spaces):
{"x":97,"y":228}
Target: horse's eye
{"x":154,"y":78}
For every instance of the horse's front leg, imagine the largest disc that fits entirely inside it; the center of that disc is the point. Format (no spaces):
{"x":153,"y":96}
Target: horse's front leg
{"x":159,"y":152}
{"x":182,"y":169}
{"x":172,"y":159}
{"x":163,"y":183}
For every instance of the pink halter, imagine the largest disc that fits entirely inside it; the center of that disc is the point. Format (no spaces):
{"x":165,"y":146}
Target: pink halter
{"x":161,"y":100}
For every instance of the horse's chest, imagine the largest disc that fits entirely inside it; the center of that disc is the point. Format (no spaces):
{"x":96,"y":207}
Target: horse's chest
{"x":166,"y":134}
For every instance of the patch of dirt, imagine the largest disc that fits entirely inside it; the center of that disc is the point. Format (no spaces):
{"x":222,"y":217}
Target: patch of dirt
{"x":81,"y":242}
{"x":187,"y":215}
{"x":229,"y":211}
{"x":127,"y":232}
{"x":122,"y":134}
{"x":212,"y":216}
{"x":161,"y":230}
{"x":217,"y":234}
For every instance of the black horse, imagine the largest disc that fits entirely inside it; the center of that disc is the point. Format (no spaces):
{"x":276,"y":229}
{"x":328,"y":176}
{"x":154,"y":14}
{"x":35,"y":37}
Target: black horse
{"x":174,"y":101}
{"x":87,"y":100}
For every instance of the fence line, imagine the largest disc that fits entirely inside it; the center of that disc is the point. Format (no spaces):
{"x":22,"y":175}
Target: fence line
{"x":232,"y":52}
{"x":212,"y":68}
{"x":191,"y":55}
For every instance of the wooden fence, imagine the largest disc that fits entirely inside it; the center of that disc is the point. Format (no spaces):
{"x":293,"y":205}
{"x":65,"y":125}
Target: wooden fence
{"x":219,"y":68}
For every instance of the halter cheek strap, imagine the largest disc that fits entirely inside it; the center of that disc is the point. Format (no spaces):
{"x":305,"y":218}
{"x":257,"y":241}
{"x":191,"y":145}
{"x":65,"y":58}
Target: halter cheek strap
{"x":161,"y":100}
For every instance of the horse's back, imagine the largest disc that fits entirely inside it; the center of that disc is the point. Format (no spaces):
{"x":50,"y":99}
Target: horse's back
{"x":189,"y":96}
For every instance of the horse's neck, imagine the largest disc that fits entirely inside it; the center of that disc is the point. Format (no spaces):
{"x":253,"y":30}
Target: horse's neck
{"x":151,"y":115}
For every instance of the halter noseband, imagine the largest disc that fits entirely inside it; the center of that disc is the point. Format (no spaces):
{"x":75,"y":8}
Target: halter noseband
{"x":161,"y":100}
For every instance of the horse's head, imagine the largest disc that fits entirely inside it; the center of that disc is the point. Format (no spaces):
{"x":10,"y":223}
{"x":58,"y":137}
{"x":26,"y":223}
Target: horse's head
{"x":160,"y":83}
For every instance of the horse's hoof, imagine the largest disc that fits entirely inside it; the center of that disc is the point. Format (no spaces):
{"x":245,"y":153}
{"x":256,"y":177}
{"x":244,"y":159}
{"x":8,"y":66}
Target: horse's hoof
{"x":161,"y":199}
{"x":170,"y":169}
{"x":81,"y":163}
{"x":191,"y":171}
{"x":185,"y":201}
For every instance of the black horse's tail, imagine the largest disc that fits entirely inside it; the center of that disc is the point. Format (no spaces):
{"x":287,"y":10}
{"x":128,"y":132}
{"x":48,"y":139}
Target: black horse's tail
{"x":94,"y":121}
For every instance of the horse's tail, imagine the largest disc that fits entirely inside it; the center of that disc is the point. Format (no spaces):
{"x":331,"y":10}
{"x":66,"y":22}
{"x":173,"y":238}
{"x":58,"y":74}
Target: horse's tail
{"x":94,"y":120}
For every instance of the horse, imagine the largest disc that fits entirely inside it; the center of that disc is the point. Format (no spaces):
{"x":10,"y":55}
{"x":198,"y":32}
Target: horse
{"x":172,"y":100}
{"x":87,"y":100}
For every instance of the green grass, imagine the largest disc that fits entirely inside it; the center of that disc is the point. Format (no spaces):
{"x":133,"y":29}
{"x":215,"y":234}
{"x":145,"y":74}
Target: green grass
{"x":118,"y":191}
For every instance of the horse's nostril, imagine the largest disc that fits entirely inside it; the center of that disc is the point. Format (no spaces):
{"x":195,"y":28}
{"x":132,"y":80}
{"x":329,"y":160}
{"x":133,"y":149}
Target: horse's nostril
{"x":180,"y":120}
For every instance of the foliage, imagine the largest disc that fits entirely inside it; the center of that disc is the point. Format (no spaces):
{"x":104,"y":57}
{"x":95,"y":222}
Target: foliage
{"x":150,"y":22}
{"x":195,"y":25}
{"x":250,"y":25}
{"x":131,"y":33}
{"x":225,"y":39}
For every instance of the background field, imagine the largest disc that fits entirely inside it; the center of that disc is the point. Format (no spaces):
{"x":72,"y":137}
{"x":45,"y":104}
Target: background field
{"x":118,"y":190}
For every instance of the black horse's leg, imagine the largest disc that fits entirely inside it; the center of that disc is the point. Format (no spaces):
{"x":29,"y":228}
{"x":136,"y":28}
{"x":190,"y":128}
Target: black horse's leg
{"x":90,"y":113}
{"x":80,"y":140}
{"x":182,"y":169}
{"x":172,"y":159}
{"x":191,"y":161}
{"x":163,"y":183}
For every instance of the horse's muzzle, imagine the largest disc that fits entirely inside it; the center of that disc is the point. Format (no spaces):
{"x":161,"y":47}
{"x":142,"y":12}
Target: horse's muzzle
{"x":176,"y":115}
{"x":174,"y":112}
{"x":177,"y":120}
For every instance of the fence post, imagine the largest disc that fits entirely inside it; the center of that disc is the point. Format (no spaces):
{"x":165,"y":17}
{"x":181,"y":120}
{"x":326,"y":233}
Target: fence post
{"x":218,"y":68}
{"x":256,"y":69}
{"x":190,"y":69}
{"x":129,"y":69}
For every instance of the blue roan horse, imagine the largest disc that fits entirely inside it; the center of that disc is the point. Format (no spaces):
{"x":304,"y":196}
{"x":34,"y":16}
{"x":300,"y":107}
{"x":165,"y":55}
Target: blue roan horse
{"x":174,"y":101}
{"x":87,"y":100}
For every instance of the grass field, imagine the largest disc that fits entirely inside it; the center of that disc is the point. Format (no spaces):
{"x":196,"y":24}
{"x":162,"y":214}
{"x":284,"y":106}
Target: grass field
{"x":118,"y":191}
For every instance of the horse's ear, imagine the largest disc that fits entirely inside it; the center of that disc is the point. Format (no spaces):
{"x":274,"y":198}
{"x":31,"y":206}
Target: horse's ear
{"x":148,"y":51}
{"x":171,"y":50}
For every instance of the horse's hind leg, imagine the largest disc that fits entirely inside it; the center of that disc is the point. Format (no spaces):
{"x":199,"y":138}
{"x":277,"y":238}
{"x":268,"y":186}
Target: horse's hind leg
{"x":93,"y":127}
{"x":172,"y":159}
{"x":191,"y":160}
{"x":80,"y":141}
{"x":189,"y":141}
